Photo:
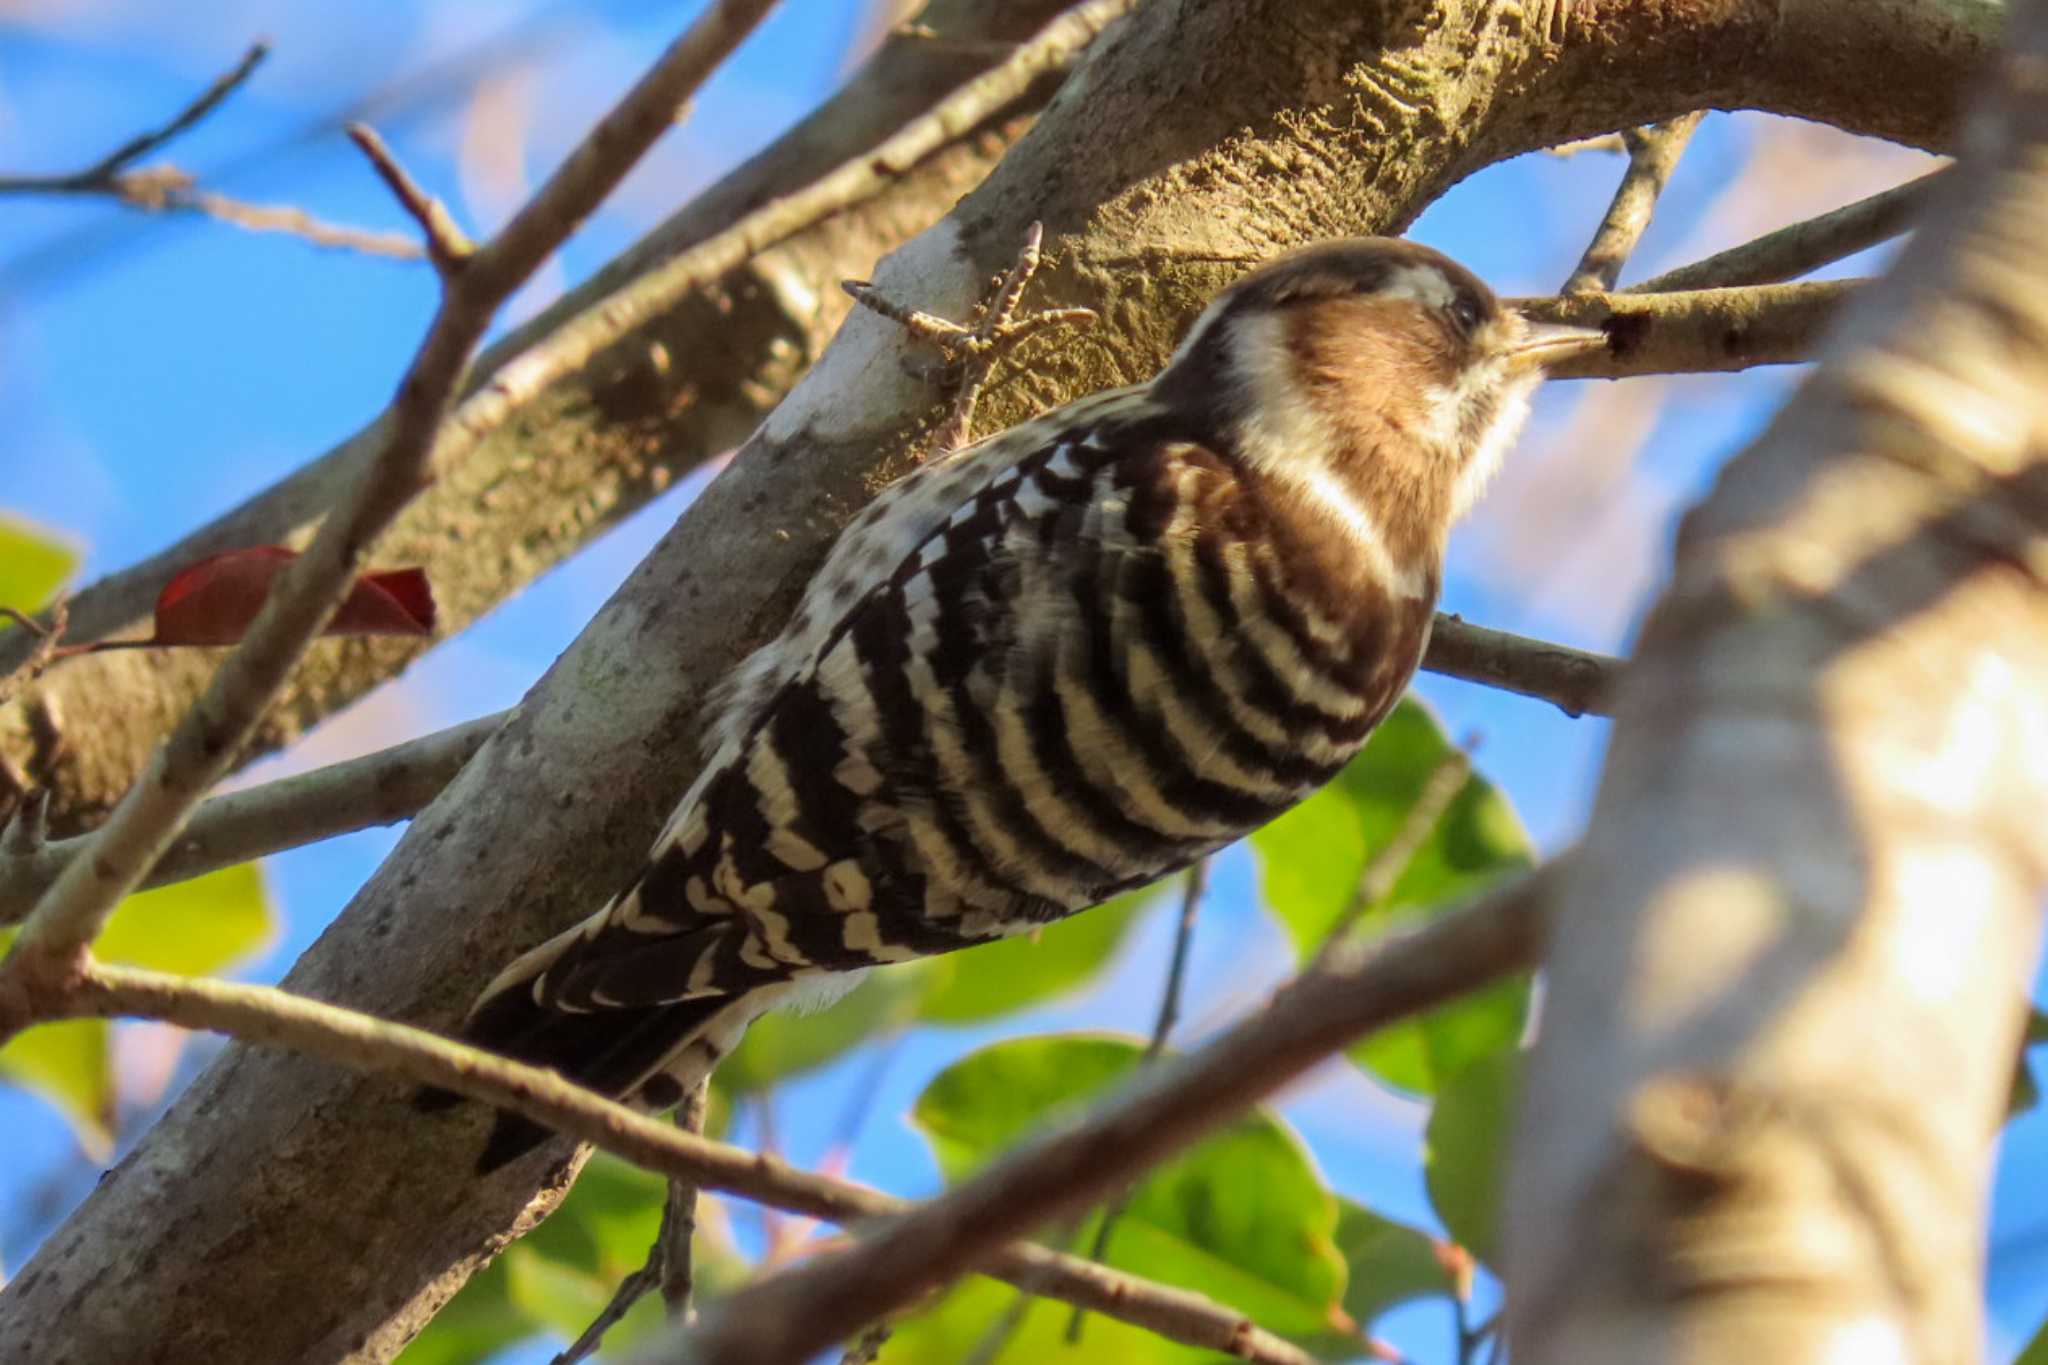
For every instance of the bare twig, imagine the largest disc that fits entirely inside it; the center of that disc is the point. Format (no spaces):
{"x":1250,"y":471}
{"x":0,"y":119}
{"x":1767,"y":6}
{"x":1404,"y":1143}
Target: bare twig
{"x":1653,"y":153}
{"x":972,"y":348}
{"x":801,"y":1310}
{"x":1197,"y":882}
{"x":48,"y":646}
{"x":447,"y":246}
{"x":52,"y":947}
{"x":679,"y":1221}
{"x":1579,"y":682}
{"x":670,"y":1263}
{"x":101,"y":173}
{"x":1391,"y":859}
{"x":375,"y":789}
{"x":260,"y":1014}
{"x":1794,"y":250}
{"x":165,"y":188}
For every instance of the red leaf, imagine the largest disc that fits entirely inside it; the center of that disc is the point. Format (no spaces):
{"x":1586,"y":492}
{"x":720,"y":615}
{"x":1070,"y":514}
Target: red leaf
{"x":213,"y":601}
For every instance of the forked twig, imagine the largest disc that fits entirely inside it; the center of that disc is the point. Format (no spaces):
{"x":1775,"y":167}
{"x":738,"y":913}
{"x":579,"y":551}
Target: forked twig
{"x":971,"y":349}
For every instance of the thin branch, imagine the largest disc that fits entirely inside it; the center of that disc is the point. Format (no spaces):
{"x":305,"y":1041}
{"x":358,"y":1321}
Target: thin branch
{"x":48,"y":646}
{"x":100,"y":175}
{"x":1196,"y":884}
{"x":851,"y":182}
{"x":677,"y":1238}
{"x":1391,"y":859}
{"x":790,"y":1315}
{"x":670,"y":1264}
{"x":1653,"y":153}
{"x":52,"y":946}
{"x":1579,"y":682}
{"x":258,"y":1014}
{"x":376,"y":789}
{"x":1801,"y":247}
{"x":447,"y":246}
{"x":165,"y":188}
{"x":1704,"y":331}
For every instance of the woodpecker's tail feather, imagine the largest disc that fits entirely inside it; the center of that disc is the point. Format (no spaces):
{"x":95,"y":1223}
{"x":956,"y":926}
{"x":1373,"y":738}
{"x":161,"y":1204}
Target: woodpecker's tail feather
{"x":614,"y":1052}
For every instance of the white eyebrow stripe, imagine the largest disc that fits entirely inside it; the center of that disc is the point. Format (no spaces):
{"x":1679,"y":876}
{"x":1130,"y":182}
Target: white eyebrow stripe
{"x":1423,"y":283}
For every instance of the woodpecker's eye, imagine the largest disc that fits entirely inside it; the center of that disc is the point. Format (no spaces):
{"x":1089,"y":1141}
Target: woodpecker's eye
{"x":1465,"y":313}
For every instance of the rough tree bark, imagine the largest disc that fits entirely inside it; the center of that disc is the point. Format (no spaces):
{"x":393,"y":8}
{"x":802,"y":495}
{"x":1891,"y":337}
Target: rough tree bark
{"x":571,"y":464}
{"x":1791,"y":963}
{"x":285,"y":1212}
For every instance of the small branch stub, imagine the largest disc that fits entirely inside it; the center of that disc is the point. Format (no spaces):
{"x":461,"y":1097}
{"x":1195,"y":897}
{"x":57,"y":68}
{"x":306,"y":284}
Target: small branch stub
{"x":447,"y":246}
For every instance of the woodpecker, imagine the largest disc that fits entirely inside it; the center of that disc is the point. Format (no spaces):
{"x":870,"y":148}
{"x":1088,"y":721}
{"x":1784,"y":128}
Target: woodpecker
{"x":1055,"y":665}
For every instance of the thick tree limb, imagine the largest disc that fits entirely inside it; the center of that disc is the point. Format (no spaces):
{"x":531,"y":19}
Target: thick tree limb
{"x":1791,"y":962}
{"x":570,"y":462}
{"x":1320,"y":116}
{"x":788,"y":1317}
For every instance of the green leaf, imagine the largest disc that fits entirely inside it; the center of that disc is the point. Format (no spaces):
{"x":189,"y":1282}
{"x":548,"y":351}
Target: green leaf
{"x":786,"y":1043}
{"x":2037,"y":1349}
{"x":1465,"y":1150}
{"x":955,"y":1328}
{"x":1002,"y":977}
{"x":195,"y":928}
{"x":1312,"y":859}
{"x":33,"y":564}
{"x":1242,"y":1217}
{"x":201,"y":926}
{"x":70,"y":1064}
{"x":1390,"y":1262}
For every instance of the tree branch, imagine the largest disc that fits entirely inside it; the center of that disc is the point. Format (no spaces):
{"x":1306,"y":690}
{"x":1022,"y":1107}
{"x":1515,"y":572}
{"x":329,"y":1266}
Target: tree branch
{"x":260,"y":1014}
{"x":1577,"y":681}
{"x":1792,"y":958}
{"x":1653,"y":153}
{"x":1703,"y":332}
{"x":165,"y":188}
{"x":376,"y":789}
{"x":1798,"y":248}
{"x":789,"y":1316}
{"x":53,"y":941}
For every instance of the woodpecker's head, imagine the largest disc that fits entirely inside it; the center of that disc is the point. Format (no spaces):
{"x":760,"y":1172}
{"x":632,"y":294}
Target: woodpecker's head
{"x":1378,"y":360}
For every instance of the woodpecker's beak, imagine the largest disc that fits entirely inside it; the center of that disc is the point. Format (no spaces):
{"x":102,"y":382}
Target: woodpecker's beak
{"x":1547,"y":343}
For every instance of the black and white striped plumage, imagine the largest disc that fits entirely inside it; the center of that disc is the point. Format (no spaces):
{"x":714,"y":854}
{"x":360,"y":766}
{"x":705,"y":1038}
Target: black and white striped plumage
{"x":1057,"y":664}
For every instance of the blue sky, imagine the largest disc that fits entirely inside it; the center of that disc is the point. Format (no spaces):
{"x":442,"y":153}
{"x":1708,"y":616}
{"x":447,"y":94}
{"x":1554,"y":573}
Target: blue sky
{"x":155,"y":371}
